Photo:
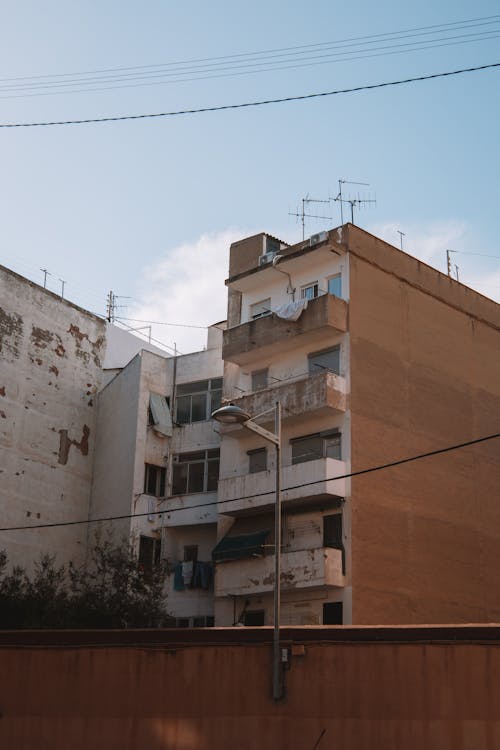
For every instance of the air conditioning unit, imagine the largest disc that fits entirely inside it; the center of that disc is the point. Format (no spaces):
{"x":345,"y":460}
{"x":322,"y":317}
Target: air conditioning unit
{"x":266,"y":258}
{"x":315,"y":239}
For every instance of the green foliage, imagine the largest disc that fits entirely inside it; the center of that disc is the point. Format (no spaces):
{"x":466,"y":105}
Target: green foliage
{"x":110,"y":591}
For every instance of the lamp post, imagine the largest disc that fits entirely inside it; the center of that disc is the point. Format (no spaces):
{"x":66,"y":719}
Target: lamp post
{"x":235,"y":415}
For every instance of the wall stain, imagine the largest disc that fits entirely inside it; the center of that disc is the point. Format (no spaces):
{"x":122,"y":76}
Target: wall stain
{"x":3,"y":415}
{"x":54,"y":369}
{"x":11,"y":332}
{"x":95,"y":346}
{"x":65,"y":444}
{"x":2,"y":391}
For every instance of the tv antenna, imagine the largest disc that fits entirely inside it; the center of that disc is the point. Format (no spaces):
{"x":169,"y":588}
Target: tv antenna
{"x":303,"y":215}
{"x":401,"y":235}
{"x":112,"y":307}
{"x":351,"y":201}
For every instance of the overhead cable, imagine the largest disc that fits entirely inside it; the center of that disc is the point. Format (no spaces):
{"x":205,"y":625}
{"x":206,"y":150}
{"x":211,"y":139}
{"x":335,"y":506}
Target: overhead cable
{"x":217,"y":503}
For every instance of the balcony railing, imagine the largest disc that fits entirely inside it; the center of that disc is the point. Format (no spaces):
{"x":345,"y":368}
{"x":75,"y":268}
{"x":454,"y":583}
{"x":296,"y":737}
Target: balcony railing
{"x":324,"y":315}
{"x":312,"y":568}
{"x":304,"y":484}
{"x":320,"y":394}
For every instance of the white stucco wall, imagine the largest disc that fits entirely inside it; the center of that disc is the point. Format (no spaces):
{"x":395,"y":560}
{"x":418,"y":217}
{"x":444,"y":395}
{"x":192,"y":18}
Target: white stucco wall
{"x":51,"y":354}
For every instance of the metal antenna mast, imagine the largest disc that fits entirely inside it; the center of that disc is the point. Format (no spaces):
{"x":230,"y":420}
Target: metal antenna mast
{"x":351,"y":201}
{"x":448,"y":261}
{"x":401,"y":235}
{"x":302,"y":215}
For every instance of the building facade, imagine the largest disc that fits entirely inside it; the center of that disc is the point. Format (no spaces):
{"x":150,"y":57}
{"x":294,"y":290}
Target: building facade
{"x":374,"y":357}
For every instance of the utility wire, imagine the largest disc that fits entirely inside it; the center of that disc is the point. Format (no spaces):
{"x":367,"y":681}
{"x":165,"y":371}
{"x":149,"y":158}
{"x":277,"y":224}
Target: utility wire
{"x":161,"y":323}
{"x":10,"y":91}
{"x":261,"y":61}
{"x":370,"y":470}
{"x":220,"y":108}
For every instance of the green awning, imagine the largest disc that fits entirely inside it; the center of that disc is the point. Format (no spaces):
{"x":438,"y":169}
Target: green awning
{"x":240,"y":546}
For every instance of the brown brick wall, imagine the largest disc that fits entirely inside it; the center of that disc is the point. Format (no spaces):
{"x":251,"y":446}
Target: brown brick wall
{"x":425,"y":374}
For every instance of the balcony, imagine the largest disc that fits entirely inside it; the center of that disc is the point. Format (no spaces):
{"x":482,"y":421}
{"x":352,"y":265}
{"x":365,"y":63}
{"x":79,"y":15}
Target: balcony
{"x":189,"y":510}
{"x":325,"y":315}
{"x":311,"y":482}
{"x":321,"y":394}
{"x":312,"y":568}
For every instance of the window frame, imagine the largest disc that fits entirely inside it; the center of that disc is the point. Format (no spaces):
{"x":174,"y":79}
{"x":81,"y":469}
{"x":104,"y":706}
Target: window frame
{"x":205,"y":458}
{"x":314,"y":285}
{"x":210,"y":389}
{"x":264,"y":374}
{"x":314,"y":368}
{"x":160,"y":479}
{"x":255,"y":469}
{"x":326,"y":438}
{"x":264,"y":313}
{"x":336,"y":276}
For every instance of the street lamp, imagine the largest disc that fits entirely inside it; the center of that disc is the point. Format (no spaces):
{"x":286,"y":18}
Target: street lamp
{"x":232,"y":414}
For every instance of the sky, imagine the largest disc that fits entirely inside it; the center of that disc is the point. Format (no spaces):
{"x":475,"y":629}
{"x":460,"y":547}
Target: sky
{"x":148,"y":208}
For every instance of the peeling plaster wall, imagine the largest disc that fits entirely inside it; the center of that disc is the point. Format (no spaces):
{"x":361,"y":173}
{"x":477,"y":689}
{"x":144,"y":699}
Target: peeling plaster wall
{"x":50,"y":370}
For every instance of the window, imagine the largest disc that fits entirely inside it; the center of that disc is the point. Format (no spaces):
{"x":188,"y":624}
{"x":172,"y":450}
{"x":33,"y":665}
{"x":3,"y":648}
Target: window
{"x":149,"y":555}
{"x":332,"y":613}
{"x":257,"y":460}
{"x":310,"y":291}
{"x":332,"y":534}
{"x":259,"y":379}
{"x":195,"y":472}
{"x":159,"y":414}
{"x":332,"y":531}
{"x":335,"y":285}
{"x":327,"y":360}
{"x":254,"y":618}
{"x":154,"y":480}
{"x":191,"y":553}
{"x":260,"y":309}
{"x":196,"y":401}
{"x":311,"y":447}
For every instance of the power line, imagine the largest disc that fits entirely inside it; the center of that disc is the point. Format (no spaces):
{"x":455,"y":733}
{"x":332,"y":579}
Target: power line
{"x":161,"y":323}
{"x":360,"y":472}
{"x":262,"y":102}
{"x":261,"y":61}
{"x":151,"y":79}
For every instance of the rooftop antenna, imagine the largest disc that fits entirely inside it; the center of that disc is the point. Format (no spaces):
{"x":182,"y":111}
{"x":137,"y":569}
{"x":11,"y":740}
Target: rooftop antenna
{"x":401,"y":235}
{"x":448,"y":261}
{"x":63,"y":284}
{"x":351,"y":201}
{"x":45,"y":274}
{"x":302,"y":215}
{"x":112,"y":307}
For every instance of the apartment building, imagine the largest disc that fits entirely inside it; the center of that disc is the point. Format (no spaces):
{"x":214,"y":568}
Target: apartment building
{"x":374,"y":357}
{"x":95,"y":423}
{"x":157,"y":462}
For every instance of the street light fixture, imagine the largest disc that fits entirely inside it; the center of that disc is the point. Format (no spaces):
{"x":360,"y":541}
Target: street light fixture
{"x":232,"y":414}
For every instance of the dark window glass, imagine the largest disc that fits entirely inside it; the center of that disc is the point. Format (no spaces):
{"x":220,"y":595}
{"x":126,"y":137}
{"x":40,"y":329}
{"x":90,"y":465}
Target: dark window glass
{"x":191,"y":552}
{"x":333,"y":446}
{"x":212,"y":474}
{"x":307,"y":449}
{"x":310,"y":291}
{"x":198,"y":407}
{"x":197,"y":387}
{"x":196,"y":477}
{"x":259,"y":379}
{"x":149,"y":555}
{"x":328,"y":360}
{"x":332,"y":531}
{"x":183,"y":409}
{"x":257,"y":460}
{"x":332,"y":613}
{"x":179,"y":479}
{"x":154,"y":480}
{"x":254,"y":618}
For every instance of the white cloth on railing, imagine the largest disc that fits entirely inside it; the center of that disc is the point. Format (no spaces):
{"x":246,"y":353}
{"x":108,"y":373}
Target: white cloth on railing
{"x":291,"y":310}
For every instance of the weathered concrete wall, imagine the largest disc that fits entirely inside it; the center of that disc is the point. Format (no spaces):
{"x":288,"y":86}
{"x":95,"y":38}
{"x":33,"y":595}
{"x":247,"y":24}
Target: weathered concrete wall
{"x":425,"y":374}
{"x":353,"y":689}
{"x":50,"y":370}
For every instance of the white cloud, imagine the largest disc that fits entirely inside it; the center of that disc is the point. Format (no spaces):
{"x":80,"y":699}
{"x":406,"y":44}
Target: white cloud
{"x":428,"y":243}
{"x":186,"y":285}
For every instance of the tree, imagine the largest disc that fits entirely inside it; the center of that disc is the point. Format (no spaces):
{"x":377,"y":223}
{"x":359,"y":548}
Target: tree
{"x":109,"y":591}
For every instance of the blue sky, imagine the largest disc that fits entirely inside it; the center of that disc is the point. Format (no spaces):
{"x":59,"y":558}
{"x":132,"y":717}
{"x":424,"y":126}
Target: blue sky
{"x":147,"y":208}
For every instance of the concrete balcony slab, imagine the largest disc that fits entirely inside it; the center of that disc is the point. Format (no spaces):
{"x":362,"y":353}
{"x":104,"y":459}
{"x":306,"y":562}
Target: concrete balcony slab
{"x":324,"y":315}
{"x":308,"y":484}
{"x":312,"y":568}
